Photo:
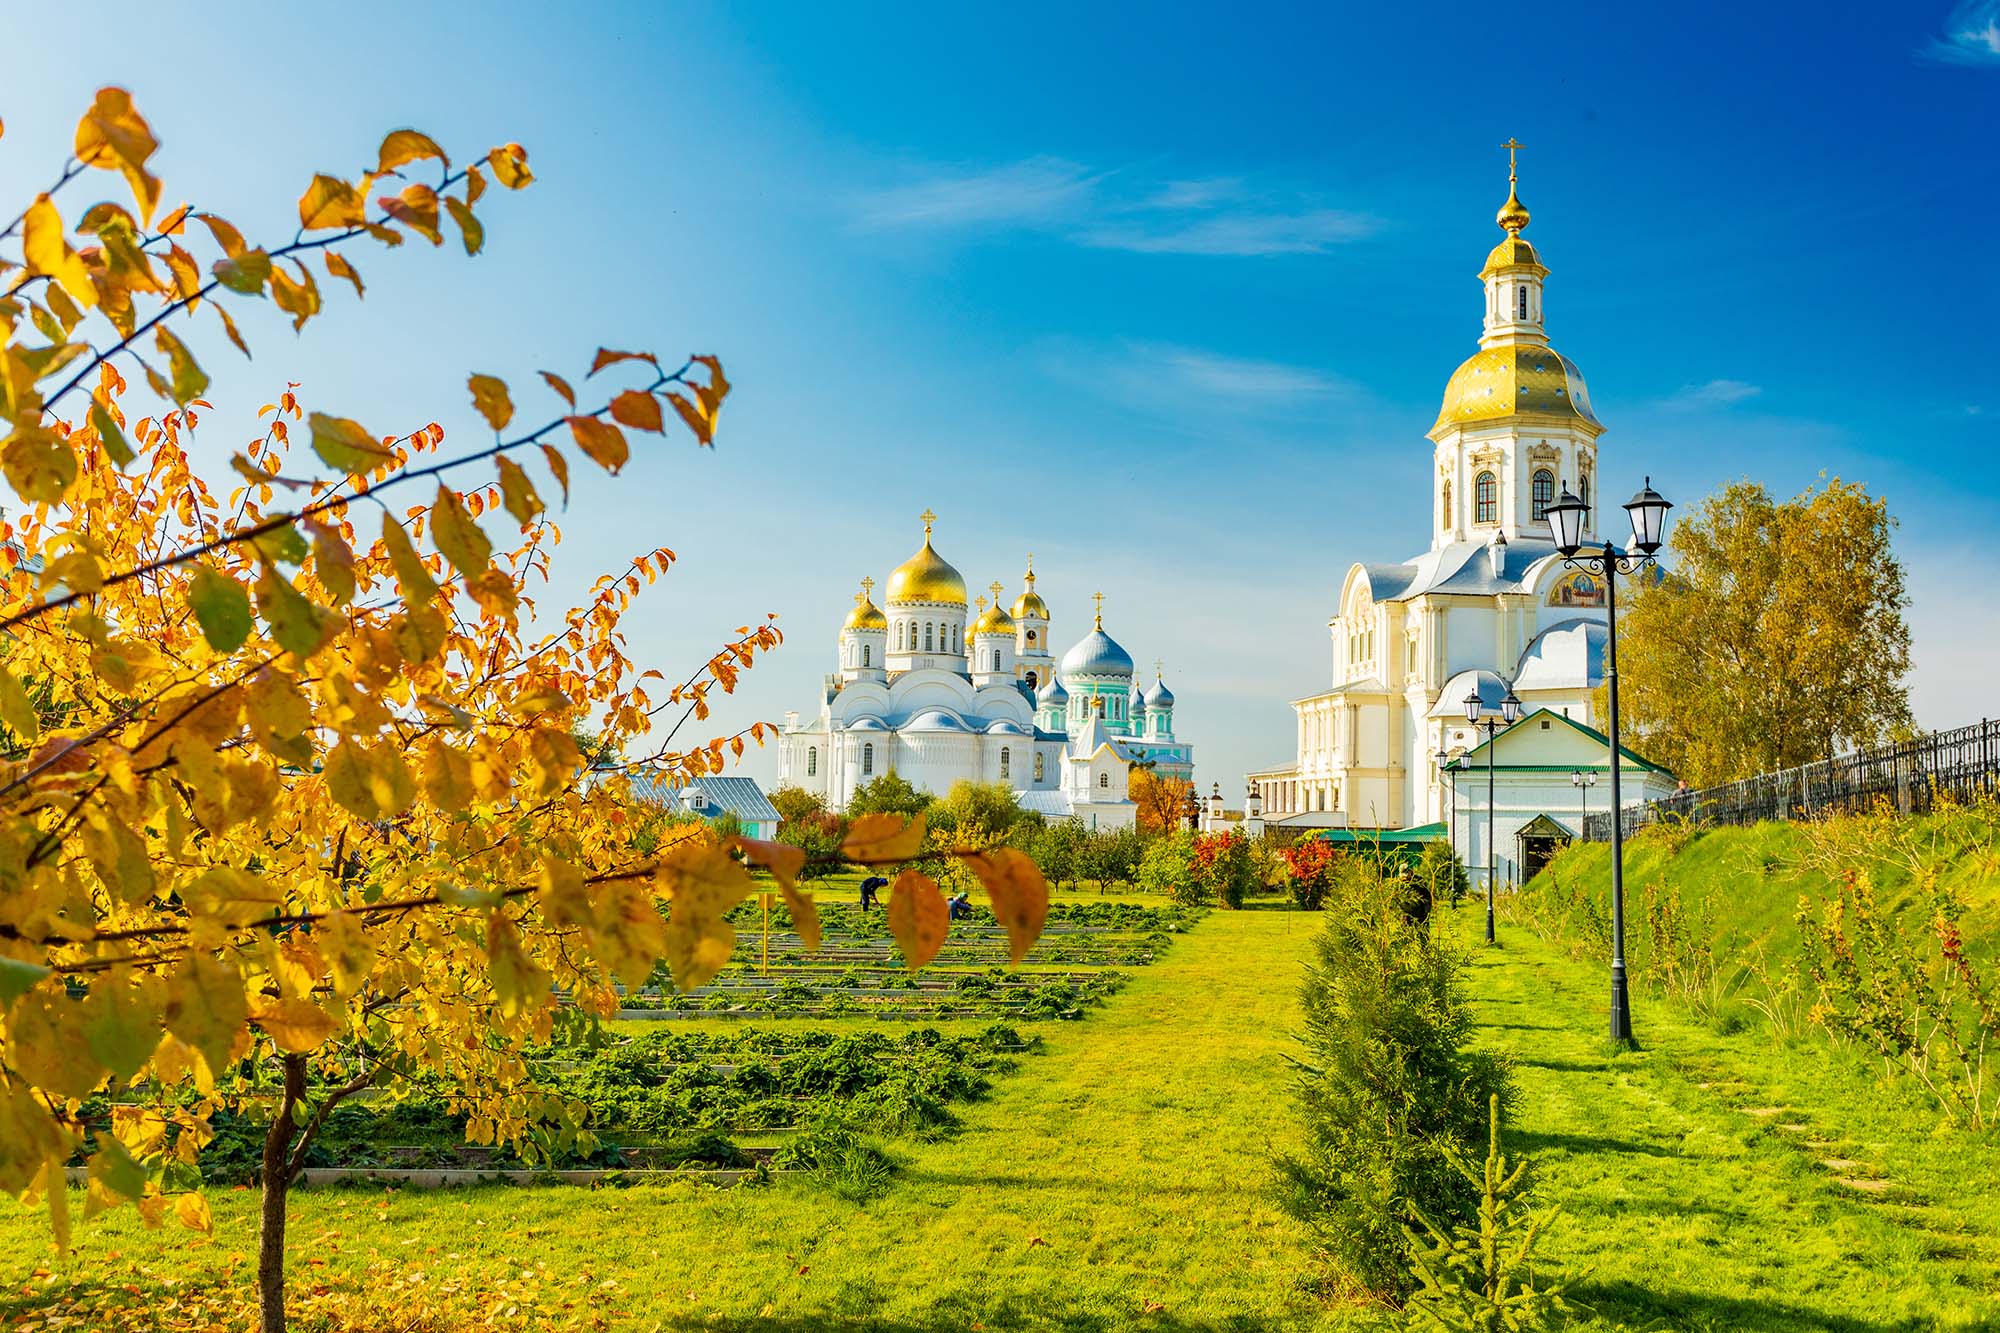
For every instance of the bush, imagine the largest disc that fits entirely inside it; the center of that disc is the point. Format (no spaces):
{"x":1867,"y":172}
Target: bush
{"x":1110,"y":857}
{"x":1441,"y":874}
{"x":818,"y":835}
{"x":980,"y":813}
{"x":1223,"y":865}
{"x":889,"y":794}
{"x":1167,"y":867}
{"x":1309,"y":872}
{"x":795,"y":804}
{"x":1387,"y":1088}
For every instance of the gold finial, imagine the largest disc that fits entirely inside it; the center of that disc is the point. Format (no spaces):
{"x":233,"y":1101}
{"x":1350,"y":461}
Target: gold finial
{"x":1159,"y":669}
{"x":979,"y":602}
{"x":868,"y":587}
{"x":1098,"y":598}
{"x":1512,"y":215}
{"x":1031,"y":571}
{"x":929,"y":518}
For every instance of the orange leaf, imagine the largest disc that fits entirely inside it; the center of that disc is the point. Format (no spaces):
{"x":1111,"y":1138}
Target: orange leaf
{"x":331,"y":202}
{"x":417,"y":209}
{"x":701,"y":422}
{"x":561,"y":386}
{"x":641,"y":411}
{"x":882,"y":837}
{"x":1018,"y":893}
{"x":559,"y":465}
{"x":606,"y":357}
{"x":918,"y":918}
{"x":510,"y":166}
{"x":407,"y":146}
{"x":784,"y":861}
{"x":604,"y":442}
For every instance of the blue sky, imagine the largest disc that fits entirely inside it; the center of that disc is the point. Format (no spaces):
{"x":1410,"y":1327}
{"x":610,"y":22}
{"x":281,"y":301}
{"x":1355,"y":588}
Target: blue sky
{"x":1166,"y":296}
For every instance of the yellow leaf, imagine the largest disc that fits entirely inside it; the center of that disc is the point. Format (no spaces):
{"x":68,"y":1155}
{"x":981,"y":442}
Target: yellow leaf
{"x":17,"y":710}
{"x":187,"y":378}
{"x":191,"y":1211}
{"x":121,"y":1021}
{"x":230,"y":896}
{"x":331,"y":202}
{"x":641,"y":411}
{"x":1018,"y":893}
{"x":244,"y":272}
{"x":627,"y":934}
{"x":296,"y":297}
{"x":447,"y":777}
{"x":874,"y":839}
{"x":606,"y":357}
{"x":279,"y":716}
{"x":785,"y":862}
{"x":489,"y":395}
{"x":519,"y":983}
{"x":346,"y":445}
{"x":603,"y":442}
{"x":401,"y":146}
{"x":517,"y":492}
{"x":45,"y":247}
{"x":918,"y":918}
{"x":558,"y":465}
{"x":704,"y":881}
{"x":299,"y":627}
{"x":699,"y":419}
{"x":412,"y":575}
{"x":46,"y":1046}
{"x":510,"y":166}
{"x":470,"y":228}
{"x":565,"y":901}
{"x":226,"y":235}
{"x":337,"y":265}
{"x":458,"y":535}
{"x":416,"y":208}
{"x":333,"y":561}
{"x":349,"y":952}
{"x":298,"y":1026}
{"x":206,"y":1007}
{"x":113,"y":1170}
{"x":113,"y":135}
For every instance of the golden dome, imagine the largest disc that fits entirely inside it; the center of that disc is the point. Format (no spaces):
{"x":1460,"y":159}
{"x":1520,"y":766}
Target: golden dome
{"x":1030,"y":602}
{"x":1518,"y":380}
{"x":1512,"y":253}
{"x":866,"y":615}
{"x":1513,"y":215}
{"x":926,"y":577}
{"x":994,"y":620}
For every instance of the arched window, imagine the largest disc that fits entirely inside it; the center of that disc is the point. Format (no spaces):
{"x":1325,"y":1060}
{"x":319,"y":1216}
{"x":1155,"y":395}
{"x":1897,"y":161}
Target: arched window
{"x":865,"y":655}
{"x":927,"y":636}
{"x":1041,"y":765}
{"x":901,"y":626}
{"x":1523,"y":304}
{"x":1444,"y":509}
{"x":1006,"y":762}
{"x":1031,"y":680}
{"x":1104,"y":780}
{"x":812,"y":760}
{"x":1583,"y":493}
{"x":996,"y":659}
{"x":1485,"y":498}
{"x":1543,"y":493}
{"x":868,"y":758}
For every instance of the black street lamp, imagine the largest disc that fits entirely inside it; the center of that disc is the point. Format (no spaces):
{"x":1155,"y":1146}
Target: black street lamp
{"x":1583,"y":782}
{"x":1510,"y":711}
{"x":1648,"y":511}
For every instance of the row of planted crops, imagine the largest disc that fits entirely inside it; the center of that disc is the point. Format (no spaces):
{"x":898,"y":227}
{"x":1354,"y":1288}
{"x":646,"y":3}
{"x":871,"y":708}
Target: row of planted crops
{"x":788,"y":1060}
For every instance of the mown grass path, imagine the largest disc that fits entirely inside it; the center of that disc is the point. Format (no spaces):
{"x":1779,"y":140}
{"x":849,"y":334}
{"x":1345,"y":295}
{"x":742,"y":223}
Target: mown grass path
{"x":1118,"y":1181}
{"x":1734,"y":1182}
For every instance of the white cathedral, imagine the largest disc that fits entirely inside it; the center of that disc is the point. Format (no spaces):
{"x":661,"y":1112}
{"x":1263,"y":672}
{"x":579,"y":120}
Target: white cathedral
{"x":939,"y":693}
{"x":1488,"y":608}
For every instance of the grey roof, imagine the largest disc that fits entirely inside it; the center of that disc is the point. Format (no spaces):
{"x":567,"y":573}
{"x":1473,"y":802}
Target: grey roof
{"x":708,"y":797}
{"x":1159,"y":696}
{"x":1566,"y":655}
{"x":1052,"y":691}
{"x":1097,"y":654}
{"x":1462,"y":567}
{"x":1048,"y":804}
{"x":933,"y":719}
{"x":1450,"y":702}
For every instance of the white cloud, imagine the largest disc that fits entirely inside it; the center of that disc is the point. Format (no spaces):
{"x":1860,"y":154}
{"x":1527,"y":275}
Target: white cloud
{"x":1236,"y":377}
{"x":1186,"y":383}
{"x":1713,"y":394}
{"x":1971,"y":35}
{"x":1114,"y":211}
{"x":1036,"y":190}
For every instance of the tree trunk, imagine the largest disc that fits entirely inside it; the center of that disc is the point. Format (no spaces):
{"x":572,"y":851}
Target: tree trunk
{"x":276,"y":1179}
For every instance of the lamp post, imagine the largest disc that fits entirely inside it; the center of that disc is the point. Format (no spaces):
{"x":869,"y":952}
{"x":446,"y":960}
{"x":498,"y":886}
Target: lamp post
{"x":1444,"y":766}
{"x":1510,"y":710}
{"x":1583,"y":782}
{"x":1648,"y":511}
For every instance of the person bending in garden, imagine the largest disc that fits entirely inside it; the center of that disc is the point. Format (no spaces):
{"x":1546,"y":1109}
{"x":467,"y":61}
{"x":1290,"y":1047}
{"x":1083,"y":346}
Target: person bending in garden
{"x":870,"y":887}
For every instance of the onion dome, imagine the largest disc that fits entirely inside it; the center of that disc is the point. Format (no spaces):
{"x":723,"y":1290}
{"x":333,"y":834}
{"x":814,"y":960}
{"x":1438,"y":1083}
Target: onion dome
{"x":1136,"y":704}
{"x":1513,"y":253}
{"x":1052,"y":691}
{"x":1159,"y":696}
{"x":866,"y":615}
{"x":1515,"y":380}
{"x":971,"y":624}
{"x":1030,"y":603}
{"x":994,"y":620}
{"x":1097,"y":653}
{"x":926,"y":576}
{"x":1513,"y":215}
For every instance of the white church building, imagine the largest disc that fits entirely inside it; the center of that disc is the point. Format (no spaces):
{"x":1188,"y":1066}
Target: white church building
{"x":1488,"y":608}
{"x":939,"y":692}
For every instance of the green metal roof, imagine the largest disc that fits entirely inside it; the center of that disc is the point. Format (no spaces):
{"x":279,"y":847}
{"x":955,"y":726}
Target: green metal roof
{"x":1421,"y":833}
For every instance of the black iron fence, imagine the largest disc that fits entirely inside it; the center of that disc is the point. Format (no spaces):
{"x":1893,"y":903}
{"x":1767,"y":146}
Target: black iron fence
{"x":1964,"y":762}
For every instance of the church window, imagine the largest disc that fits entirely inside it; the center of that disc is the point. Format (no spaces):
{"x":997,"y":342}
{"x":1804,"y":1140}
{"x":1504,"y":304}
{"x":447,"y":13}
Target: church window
{"x":1041,"y":765}
{"x":1007,"y":761}
{"x":1104,"y":780}
{"x":927,"y":636}
{"x":1523,"y":302}
{"x":1544,"y":493}
{"x":1444,"y":520}
{"x":812,"y":760}
{"x":865,"y":655}
{"x":900,"y":640}
{"x":1583,"y":493}
{"x":1031,"y":638}
{"x":1031,"y":680}
{"x":867,"y":759}
{"x":996,"y":659}
{"x":1485,"y":498}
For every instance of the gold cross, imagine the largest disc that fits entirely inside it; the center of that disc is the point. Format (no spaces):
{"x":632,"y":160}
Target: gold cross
{"x":1158,"y":667}
{"x":979,"y":602}
{"x":868,"y":587}
{"x":1512,"y":147}
{"x":996,"y":588}
{"x":1031,"y":569}
{"x":1098,"y":598}
{"x":929,"y":518}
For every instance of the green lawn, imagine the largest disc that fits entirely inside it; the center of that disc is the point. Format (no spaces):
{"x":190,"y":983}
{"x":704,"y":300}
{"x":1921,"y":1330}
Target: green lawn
{"x":1120,"y":1181}
{"x":1734,"y":1182}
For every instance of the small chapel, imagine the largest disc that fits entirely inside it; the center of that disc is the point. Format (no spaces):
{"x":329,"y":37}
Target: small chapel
{"x":940,"y":690}
{"x":1487,"y":609}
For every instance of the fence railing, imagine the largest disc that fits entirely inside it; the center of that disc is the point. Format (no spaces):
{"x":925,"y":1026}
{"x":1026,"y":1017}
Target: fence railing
{"x":1964,"y":762}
